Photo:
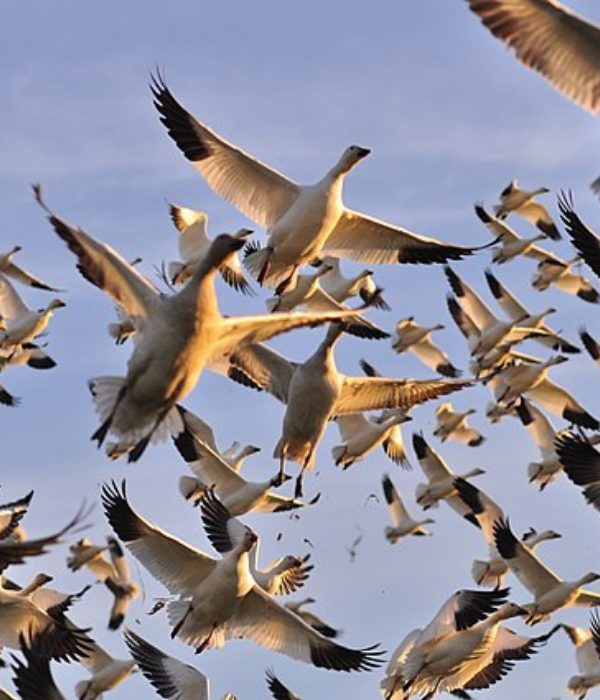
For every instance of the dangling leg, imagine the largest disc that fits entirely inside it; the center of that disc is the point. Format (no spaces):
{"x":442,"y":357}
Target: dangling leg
{"x":282,"y":286}
{"x":206,"y":642}
{"x":265,"y":269}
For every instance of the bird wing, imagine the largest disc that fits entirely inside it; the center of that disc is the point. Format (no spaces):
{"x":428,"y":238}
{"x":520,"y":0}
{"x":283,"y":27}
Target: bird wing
{"x":551,"y":40}
{"x":581,"y":463}
{"x":470,"y":301}
{"x":171,"y":561}
{"x":351,"y":424}
{"x":523,"y":562}
{"x":368,"y":240}
{"x":171,"y":677}
{"x":11,"y":514}
{"x":261,"y":619}
{"x":582,"y":237}
{"x":192,"y":241}
{"x":462,"y":319}
{"x":497,"y":227}
{"x":538,"y":426}
{"x":372,"y":393}
{"x":558,"y":401}
{"x":396,"y":507}
{"x":481,"y":507}
{"x":11,"y":304}
{"x":258,"y":191}
{"x":433,"y":466}
{"x":267,"y":368}
{"x":429,"y":353}
{"x":509,"y":303}
{"x":105,"y":268}
{"x":278,"y":690}
{"x":20,"y":275}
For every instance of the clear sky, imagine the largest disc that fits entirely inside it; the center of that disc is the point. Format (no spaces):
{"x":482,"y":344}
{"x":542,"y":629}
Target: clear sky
{"x":450,"y":117}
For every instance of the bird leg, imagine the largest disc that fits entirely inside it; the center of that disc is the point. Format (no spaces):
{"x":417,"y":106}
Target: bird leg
{"x":206,"y":642}
{"x":264,"y":272}
{"x":282,"y":286}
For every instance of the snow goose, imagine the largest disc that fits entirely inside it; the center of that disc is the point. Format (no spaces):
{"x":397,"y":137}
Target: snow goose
{"x":552,"y":270}
{"x":278,"y":690}
{"x":492,"y":331}
{"x":22,"y":324}
{"x":28,"y":354}
{"x":417,"y":339}
{"x":590,"y":344}
{"x":178,"y":336}
{"x":452,"y":425}
{"x":511,"y":243}
{"x":218,"y":598}
{"x":237,"y":494}
{"x":460,"y":611}
{"x":343,"y":288}
{"x":362,"y":435}
{"x":543,"y":434}
{"x":552,"y":40}
{"x":194,"y":245}
{"x":8,"y":267}
{"x":440,"y":479}
{"x":314,"y":621}
{"x":581,"y":463}
{"x":515,"y":310}
{"x":107,"y":673}
{"x":587,"y":656}
{"x":403,"y":524}
{"x":315,"y":390}
{"x":515,"y":200}
{"x":550,"y":592}
{"x":486,"y":513}
{"x":302,"y":221}
{"x":235,"y":455}
{"x":170,"y":677}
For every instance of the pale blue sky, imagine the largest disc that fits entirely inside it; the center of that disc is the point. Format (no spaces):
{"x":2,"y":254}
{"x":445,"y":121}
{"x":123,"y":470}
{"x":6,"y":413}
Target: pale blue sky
{"x":450,"y":117}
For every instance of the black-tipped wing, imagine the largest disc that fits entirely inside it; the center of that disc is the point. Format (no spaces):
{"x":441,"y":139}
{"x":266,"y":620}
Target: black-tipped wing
{"x":581,"y":463}
{"x":582,"y":237}
{"x":278,"y":690}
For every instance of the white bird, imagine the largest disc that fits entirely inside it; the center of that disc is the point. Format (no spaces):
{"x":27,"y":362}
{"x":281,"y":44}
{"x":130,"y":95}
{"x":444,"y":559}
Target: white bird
{"x":178,"y":336}
{"x":587,"y":655}
{"x":314,"y":621}
{"x":343,"y":288}
{"x":237,"y":494}
{"x":315,"y":390}
{"x":219,"y":599}
{"x":8,"y":267}
{"x":487,"y":513}
{"x":440,"y":479}
{"x":303,"y":221}
{"x":515,"y":200}
{"x":417,"y":339}
{"x":552,"y":40}
{"x":550,"y":592}
{"x":362,"y":435}
{"x":543,"y":434}
{"x":511,"y":243}
{"x":552,"y":270}
{"x":170,"y":677}
{"x":194,"y":245}
{"x":22,"y":324}
{"x":515,"y":310}
{"x":453,"y":425}
{"x":107,"y":673}
{"x":403,"y":524}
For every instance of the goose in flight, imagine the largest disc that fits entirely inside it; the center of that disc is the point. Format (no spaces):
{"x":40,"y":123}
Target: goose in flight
{"x":312,"y":620}
{"x":10,"y":269}
{"x":218,"y":599}
{"x":511,"y":243}
{"x":106,"y":673}
{"x":550,"y":592}
{"x":194,"y":244}
{"x":303,"y":222}
{"x":587,"y":655}
{"x":551,"y":39}
{"x":554,"y":271}
{"x":177,"y":337}
{"x":403,"y":524}
{"x":515,"y":310}
{"x":315,"y":390}
{"x":417,"y":339}
{"x":342,"y":288}
{"x":452,"y":425}
{"x":515,"y":200}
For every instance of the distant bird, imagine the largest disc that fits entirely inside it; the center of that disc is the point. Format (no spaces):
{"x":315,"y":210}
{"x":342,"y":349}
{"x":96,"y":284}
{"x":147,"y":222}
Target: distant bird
{"x":543,"y":434}
{"x":549,"y":591}
{"x":515,"y":200}
{"x":21,"y":324}
{"x":178,"y":337}
{"x":587,"y":655}
{"x":297,"y":607}
{"x":194,"y":245}
{"x":315,"y":391}
{"x":10,"y":269}
{"x":218,"y":599}
{"x":417,"y":339}
{"x":303,"y":222}
{"x":581,"y":463}
{"x":511,"y":243}
{"x":452,"y":425}
{"x":343,"y":288}
{"x":553,"y":271}
{"x":440,"y":485}
{"x":278,"y":690}
{"x":402,"y":523}
{"x":519,"y":313}
{"x":170,"y":677}
{"x":552,"y":40}
{"x":106,"y":673}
